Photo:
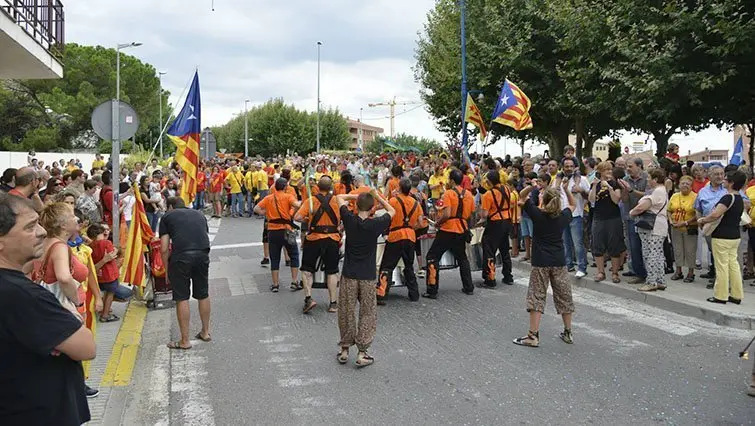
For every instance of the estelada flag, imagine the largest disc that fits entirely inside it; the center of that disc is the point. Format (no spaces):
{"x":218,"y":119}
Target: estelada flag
{"x":512,"y":108}
{"x":139,"y":236}
{"x":184,"y":133}
{"x":474,"y":116}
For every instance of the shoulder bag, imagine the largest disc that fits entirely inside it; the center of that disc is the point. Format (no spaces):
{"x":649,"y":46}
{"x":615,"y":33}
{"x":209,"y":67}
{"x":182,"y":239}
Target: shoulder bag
{"x":647,"y":219}
{"x":709,"y":227}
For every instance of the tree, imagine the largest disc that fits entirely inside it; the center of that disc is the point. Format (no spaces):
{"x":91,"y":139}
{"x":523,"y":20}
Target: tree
{"x":89,"y":79}
{"x":403,"y":140}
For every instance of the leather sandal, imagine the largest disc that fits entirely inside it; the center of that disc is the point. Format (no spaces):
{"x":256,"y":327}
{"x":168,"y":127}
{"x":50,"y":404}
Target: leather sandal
{"x":600,"y":276}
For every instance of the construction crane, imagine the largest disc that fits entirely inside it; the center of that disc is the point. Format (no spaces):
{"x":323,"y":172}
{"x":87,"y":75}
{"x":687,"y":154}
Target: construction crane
{"x":392,"y":103}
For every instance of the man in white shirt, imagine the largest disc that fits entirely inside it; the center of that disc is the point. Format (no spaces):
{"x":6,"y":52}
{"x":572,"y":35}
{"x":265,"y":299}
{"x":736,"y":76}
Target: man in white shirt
{"x":573,"y":236}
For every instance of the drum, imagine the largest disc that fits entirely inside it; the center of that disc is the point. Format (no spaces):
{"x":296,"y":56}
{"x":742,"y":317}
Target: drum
{"x":447,"y":261}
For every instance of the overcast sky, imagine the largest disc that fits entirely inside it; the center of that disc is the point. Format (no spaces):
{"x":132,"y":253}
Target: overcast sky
{"x":261,"y":49}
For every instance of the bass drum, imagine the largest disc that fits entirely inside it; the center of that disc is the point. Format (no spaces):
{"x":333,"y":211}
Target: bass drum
{"x":475,"y":254}
{"x":397,"y":277}
{"x":447,"y":261}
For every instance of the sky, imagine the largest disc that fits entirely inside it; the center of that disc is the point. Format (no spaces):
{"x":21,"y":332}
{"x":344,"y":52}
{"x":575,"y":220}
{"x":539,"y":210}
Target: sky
{"x":262,"y":49}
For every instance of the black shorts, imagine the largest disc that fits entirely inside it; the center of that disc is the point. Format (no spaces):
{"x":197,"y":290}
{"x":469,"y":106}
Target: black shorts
{"x":189,"y":269}
{"x":326,"y":249}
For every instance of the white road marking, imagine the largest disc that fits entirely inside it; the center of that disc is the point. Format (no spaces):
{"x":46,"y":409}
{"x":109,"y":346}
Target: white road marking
{"x":159,"y":389}
{"x":242,"y":245}
{"x":189,"y":386}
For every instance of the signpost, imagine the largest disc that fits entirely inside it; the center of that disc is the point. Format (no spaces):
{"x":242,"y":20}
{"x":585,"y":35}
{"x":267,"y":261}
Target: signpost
{"x":115,"y":120}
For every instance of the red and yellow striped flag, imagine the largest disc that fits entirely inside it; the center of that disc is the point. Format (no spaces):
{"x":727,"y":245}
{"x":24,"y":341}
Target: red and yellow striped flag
{"x":474,"y":116}
{"x":139,"y":236}
{"x":185,"y":133}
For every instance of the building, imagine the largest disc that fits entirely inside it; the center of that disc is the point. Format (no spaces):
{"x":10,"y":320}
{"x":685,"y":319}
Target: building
{"x":369,"y":133}
{"x":31,"y":39}
{"x":720,"y":155}
{"x":600,"y":150}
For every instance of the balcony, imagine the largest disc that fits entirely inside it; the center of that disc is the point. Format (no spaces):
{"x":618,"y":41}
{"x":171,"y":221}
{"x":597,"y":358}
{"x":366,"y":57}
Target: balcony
{"x":31,"y":39}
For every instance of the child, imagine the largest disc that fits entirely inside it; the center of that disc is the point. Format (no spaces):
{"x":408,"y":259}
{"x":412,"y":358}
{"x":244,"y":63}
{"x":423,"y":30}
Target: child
{"x":104,"y":255}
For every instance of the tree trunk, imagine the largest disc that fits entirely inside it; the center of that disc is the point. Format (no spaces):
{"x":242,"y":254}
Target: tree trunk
{"x":588,"y":146}
{"x":661,"y":141}
{"x":579,"y":130}
{"x":557,"y":140}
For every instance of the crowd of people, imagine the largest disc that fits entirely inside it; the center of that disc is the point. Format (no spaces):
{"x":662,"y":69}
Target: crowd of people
{"x":652,"y":224}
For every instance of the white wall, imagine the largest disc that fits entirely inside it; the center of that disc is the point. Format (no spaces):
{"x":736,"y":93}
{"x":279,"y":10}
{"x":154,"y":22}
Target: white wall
{"x":19,"y":159}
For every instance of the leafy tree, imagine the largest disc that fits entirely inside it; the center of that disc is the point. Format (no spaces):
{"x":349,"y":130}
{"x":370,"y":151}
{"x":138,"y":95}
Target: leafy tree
{"x":403,"y":140}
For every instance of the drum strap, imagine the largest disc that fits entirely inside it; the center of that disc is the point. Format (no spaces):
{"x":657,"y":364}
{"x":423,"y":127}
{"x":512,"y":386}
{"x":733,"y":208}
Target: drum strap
{"x":406,"y":217}
{"x":324,"y":209}
{"x":460,"y":208}
{"x":504,"y":197}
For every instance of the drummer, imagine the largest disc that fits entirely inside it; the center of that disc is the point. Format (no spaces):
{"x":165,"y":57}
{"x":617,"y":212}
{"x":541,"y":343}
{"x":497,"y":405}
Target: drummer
{"x":423,"y":226}
{"x":454,"y":209}
{"x":400,"y":242}
{"x":496,"y":208}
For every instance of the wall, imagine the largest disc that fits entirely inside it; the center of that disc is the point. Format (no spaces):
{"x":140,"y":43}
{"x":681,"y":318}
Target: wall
{"x":19,"y":159}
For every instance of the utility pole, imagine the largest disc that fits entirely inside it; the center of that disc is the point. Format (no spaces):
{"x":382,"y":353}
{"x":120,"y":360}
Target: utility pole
{"x":319,"y":43}
{"x":464,"y":133}
{"x":160,"y":75}
{"x":246,"y":129}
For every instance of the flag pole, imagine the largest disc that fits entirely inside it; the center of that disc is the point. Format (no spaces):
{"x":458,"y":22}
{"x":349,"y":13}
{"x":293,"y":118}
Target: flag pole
{"x":165,"y":126}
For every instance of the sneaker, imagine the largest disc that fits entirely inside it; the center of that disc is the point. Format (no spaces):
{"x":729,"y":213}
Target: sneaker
{"x":508,"y":281}
{"x":91,"y":393}
{"x":628,"y":274}
{"x":296,"y":286}
{"x":566,"y":336}
{"x":580,"y":274}
{"x":708,"y":275}
{"x":309,"y":304}
{"x":648,"y":287}
{"x":265,"y":261}
{"x":421,"y":273}
{"x":638,"y":280}
{"x":698,"y":266}
{"x":531,"y":339}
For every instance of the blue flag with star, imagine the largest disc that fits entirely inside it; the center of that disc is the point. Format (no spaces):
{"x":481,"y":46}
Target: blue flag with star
{"x":737,"y":157}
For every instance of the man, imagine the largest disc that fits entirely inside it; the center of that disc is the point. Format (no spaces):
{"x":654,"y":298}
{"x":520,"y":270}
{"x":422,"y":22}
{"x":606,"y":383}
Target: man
{"x":391,"y":187}
{"x":590,"y":163}
{"x":153,"y":167}
{"x":358,"y":281}
{"x":634,"y":185}
{"x":454,"y":210}
{"x":496,"y":208}
{"x":77,"y":183}
{"x":321,"y":212}
{"x":277,"y":210}
{"x":27,"y":186}
{"x":42,"y":344}
{"x":188,"y":264}
{"x":139,"y":170}
{"x":87,"y":202}
{"x":359,"y":188}
{"x":574,"y":242}
{"x":98,"y":163}
{"x":553,"y":170}
{"x":400,"y":242}
{"x":235,"y":179}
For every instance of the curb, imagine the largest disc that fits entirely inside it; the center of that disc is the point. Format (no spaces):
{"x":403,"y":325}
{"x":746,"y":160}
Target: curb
{"x":120,"y":366}
{"x":739,"y":321}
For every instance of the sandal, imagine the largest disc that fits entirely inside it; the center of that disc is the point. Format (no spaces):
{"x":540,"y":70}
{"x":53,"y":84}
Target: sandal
{"x":531,"y":339}
{"x":363,"y":360}
{"x":615,"y":278}
{"x":689,"y":278}
{"x":566,"y":336}
{"x":677,"y":276}
{"x":333,"y":308}
{"x":343,"y":356}
{"x":296,"y":286}
{"x":177,"y":345}
{"x":109,"y":318}
{"x":274,"y":288}
{"x":600,"y":276}
{"x":204,"y":339}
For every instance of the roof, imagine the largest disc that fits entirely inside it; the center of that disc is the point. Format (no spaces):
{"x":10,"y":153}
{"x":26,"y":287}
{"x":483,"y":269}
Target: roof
{"x":355,"y":124}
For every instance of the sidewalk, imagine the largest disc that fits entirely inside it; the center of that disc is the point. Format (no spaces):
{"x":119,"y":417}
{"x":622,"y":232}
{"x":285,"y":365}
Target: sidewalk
{"x":682,"y":298}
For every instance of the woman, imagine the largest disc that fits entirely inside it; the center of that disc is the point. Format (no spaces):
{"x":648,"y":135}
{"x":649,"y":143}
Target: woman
{"x":151,"y":205}
{"x":652,"y":239}
{"x":437,"y":184}
{"x":607,"y":226}
{"x":699,"y":173}
{"x":54,"y":186}
{"x":548,"y":262}
{"x":725,"y":240}
{"x":216,"y":188}
{"x":66,"y":197}
{"x":59,"y":270}
{"x":684,"y":233}
{"x":128,"y":200}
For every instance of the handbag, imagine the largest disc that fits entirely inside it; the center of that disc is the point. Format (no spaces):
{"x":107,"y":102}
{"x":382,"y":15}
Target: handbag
{"x":709,"y":227}
{"x":290,"y":234}
{"x":647,"y":219}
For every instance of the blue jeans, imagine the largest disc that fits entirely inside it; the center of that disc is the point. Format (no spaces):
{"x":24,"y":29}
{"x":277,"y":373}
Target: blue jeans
{"x":635,"y":250}
{"x":573,"y":239}
{"x":199,"y":201}
{"x":152,"y":219}
{"x":237,"y":203}
{"x":250,"y":202}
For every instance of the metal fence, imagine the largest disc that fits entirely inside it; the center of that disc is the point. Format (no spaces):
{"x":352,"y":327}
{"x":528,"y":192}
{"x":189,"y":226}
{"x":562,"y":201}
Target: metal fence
{"x":43,"y":20}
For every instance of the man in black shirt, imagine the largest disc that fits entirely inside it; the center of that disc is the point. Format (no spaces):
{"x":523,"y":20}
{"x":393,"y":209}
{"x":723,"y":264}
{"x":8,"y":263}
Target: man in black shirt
{"x":41,"y":343}
{"x":188,"y":261}
{"x":359,"y":273}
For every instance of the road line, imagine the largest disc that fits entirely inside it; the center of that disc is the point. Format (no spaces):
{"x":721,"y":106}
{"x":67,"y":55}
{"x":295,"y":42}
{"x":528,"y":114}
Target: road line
{"x":189,"y":385}
{"x":240,"y":245}
{"x":120,"y":366}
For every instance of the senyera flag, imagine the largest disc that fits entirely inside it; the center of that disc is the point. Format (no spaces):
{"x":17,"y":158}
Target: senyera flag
{"x":474,"y":116}
{"x":512,"y":108}
{"x":184,"y":133}
{"x":139,"y":236}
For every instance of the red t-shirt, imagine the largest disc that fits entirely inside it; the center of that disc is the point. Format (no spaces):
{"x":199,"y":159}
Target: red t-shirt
{"x":109,"y":272}
{"x":201,"y":178}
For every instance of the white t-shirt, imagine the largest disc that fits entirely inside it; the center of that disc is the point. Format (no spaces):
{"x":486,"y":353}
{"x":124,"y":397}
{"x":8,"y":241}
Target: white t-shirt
{"x":128,"y":207}
{"x":579,"y":199}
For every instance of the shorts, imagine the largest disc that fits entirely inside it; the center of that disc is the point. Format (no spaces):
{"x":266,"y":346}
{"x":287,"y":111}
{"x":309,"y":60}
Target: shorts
{"x":560,"y":282}
{"x":189,"y":269}
{"x":213,"y":197}
{"x":607,"y":237}
{"x":527,"y":227}
{"x":119,"y":291}
{"x":326,"y":249}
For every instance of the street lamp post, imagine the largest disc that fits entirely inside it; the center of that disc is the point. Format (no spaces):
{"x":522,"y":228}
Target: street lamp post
{"x":464,"y":134}
{"x":116,"y":149}
{"x":246,"y":129}
{"x":160,"y":75}
{"x":319,"y":43}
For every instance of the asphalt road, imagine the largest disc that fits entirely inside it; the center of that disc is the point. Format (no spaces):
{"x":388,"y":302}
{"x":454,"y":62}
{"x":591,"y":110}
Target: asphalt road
{"x":449,"y":361}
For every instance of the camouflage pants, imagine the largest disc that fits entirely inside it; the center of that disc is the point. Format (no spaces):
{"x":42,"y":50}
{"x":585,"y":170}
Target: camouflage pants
{"x":558,"y":278}
{"x":350,"y":292}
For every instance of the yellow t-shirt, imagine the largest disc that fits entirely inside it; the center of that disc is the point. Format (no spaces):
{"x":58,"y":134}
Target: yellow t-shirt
{"x":296,"y":177}
{"x":235,"y":180}
{"x":437,"y":180}
{"x":503,"y":176}
{"x":750,"y":193}
{"x":515,"y":209}
{"x":249,"y":180}
{"x":71,"y":168}
{"x":682,"y":207}
{"x":98,"y":164}
{"x":261,"y":180}
{"x":318,"y":175}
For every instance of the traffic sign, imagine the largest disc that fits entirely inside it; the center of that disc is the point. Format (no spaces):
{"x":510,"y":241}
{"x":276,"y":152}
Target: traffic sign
{"x":102,"y":121}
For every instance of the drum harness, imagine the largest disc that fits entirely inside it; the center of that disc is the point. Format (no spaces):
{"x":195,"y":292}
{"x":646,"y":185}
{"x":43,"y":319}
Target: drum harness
{"x":324,"y":209}
{"x":405,"y":225}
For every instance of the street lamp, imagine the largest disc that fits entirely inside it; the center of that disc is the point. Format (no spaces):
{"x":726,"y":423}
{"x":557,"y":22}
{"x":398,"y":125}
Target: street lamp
{"x":160,"y":75}
{"x":116,"y":149}
{"x":319,"y":43}
{"x":246,"y":129}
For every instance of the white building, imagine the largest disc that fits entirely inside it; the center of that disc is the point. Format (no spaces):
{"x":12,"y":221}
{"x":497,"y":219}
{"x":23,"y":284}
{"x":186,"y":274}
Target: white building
{"x":31,"y":39}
